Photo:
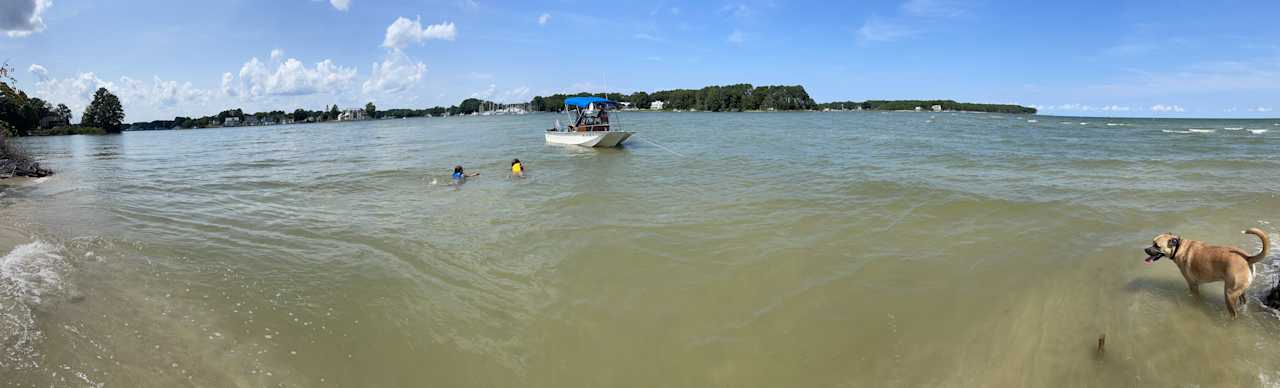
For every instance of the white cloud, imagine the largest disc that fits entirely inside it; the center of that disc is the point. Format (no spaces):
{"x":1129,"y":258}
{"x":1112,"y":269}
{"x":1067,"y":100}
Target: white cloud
{"x":40,"y":72}
{"x":276,"y":55}
{"x":1115,"y":108}
{"x":19,"y":18}
{"x":292,"y":78}
{"x":403,"y":31}
{"x":341,"y":5}
{"x":228,"y":85}
{"x":876,"y":30}
{"x":738,"y":10}
{"x":1260,"y":109}
{"x":737,"y":37}
{"x":544,"y":18}
{"x":520,"y":94}
{"x":159,"y":93}
{"x":1166,"y":108}
{"x":484,"y":94}
{"x":395,"y":74}
{"x":77,"y":92}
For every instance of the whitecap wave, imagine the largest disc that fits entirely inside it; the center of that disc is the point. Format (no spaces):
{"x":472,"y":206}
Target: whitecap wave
{"x":29,"y":274}
{"x":1257,"y":131}
{"x":1174,"y":131}
{"x":1200,"y":130}
{"x":1232,"y":128}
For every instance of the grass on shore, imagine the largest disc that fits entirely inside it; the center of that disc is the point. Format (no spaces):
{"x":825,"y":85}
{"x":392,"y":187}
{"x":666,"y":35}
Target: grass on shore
{"x":70,"y":130}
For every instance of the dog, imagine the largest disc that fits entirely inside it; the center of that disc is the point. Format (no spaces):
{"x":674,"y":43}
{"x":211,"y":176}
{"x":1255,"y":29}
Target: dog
{"x":1203,"y":263}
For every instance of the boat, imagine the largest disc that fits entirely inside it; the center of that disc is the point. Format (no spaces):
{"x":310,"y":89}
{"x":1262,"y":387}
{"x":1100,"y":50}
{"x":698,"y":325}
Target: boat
{"x":593,"y":124}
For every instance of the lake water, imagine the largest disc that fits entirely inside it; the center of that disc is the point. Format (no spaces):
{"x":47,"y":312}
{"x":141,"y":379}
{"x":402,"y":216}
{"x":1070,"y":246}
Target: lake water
{"x":757,"y":249}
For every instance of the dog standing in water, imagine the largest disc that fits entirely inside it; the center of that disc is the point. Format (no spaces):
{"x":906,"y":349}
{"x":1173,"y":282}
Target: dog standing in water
{"x":1203,"y":263}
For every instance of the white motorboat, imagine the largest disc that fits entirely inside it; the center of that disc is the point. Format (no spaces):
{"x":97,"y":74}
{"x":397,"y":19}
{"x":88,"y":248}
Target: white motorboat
{"x":592,"y":125}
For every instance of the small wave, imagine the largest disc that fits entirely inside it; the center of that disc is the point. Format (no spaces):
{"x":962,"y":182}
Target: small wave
{"x":1064,"y":122}
{"x":1116,"y":124}
{"x":1200,"y":130}
{"x":1257,"y":131}
{"x":1033,"y":121}
{"x":1232,"y":128}
{"x":1174,"y":131}
{"x":29,"y":273}
{"x":1084,"y":123}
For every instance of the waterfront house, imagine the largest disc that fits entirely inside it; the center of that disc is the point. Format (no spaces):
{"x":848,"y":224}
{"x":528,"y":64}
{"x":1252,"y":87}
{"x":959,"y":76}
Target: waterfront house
{"x":936,"y":108}
{"x":231,"y":122}
{"x":656,"y":105}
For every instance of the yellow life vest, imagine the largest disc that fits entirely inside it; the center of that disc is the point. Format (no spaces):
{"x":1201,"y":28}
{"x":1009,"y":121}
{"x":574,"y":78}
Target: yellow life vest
{"x":517,"y":168}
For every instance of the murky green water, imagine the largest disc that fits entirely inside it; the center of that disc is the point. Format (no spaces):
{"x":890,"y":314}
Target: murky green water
{"x":789,"y":249}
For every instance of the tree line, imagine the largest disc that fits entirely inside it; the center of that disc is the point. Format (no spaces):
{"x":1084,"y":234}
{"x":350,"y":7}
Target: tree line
{"x":927,"y":105}
{"x":23,"y":115}
{"x":729,"y":98}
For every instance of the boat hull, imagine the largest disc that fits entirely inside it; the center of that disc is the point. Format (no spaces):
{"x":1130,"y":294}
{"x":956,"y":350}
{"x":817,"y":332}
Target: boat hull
{"x":589,"y":139}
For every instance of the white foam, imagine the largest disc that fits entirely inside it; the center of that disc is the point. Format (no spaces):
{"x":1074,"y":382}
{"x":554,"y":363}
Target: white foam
{"x":1199,"y":130}
{"x":1257,"y":131}
{"x":1232,"y":128}
{"x":1113,"y":124}
{"x":28,"y":274}
{"x":1174,"y":131}
{"x":1033,"y":121}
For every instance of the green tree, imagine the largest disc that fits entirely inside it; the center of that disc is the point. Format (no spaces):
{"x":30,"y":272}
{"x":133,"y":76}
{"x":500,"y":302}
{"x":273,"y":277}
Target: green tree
{"x":333,"y":113}
{"x":104,"y":112}
{"x":370,"y":110}
{"x":63,"y":113}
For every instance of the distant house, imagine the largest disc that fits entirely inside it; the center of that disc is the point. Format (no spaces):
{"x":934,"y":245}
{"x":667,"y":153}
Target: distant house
{"x":352,"y":115}
{"x":53,"y":122}
{"x":231,"y":122}
{"x":656,"y":105}
{"x":919,"y":109}
{"x":251,"y":121}
{"x":936,"y":108}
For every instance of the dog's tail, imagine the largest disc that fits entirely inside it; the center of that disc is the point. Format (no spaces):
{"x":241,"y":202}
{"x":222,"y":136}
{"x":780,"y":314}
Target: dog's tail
{"x":1266,"y":245}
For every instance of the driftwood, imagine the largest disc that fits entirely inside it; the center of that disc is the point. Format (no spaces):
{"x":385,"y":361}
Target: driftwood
{"x":14,"y":162}
{"x":12,"y":167}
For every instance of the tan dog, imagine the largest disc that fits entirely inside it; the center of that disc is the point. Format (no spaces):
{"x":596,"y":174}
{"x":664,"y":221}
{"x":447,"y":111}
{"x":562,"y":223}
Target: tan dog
{"x":1203,"y":263}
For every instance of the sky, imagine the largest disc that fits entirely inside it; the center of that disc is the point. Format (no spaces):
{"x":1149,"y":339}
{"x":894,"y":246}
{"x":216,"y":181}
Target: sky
{"x":169,"y":58}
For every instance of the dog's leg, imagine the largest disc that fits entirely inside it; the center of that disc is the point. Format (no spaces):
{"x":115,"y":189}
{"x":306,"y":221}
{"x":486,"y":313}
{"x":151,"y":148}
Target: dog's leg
{"x":1195,"y":289}
{"x":1231,"y":303}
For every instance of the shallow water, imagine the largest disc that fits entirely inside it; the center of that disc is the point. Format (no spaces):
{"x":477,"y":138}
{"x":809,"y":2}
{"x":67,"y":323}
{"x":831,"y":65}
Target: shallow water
{"x":762,"y":249}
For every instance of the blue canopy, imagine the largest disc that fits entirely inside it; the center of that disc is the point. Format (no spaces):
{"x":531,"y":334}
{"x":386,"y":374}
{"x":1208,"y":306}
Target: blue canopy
{"x":583,"y":102}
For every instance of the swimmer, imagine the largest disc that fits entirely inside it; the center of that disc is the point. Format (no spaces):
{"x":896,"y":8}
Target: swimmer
{"x":517,"y":168}
{"x":460,"y":176}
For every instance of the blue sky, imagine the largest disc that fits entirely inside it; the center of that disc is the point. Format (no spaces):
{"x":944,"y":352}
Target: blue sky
{"x":1098,"y":58}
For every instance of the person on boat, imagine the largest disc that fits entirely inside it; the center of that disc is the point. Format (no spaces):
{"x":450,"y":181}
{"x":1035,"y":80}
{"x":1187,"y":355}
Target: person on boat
{"x":604,"y":120}
{"x":459,"y":175}
{"x":517,"y":168}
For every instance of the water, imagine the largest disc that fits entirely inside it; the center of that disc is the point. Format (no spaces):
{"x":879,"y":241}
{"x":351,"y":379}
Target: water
{"x":775,"y":249}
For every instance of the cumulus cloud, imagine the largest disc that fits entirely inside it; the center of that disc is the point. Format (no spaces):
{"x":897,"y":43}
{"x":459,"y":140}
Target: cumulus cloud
{"x":19,"y":18}
{"x":341,"y":5}
{"x":1166,"y":108}
{"x":876,"y":30}
{"x":544,"y":18}
{"x":276,"y":55}
{"x":40,"y":72}
{"x":229,"y":86}
{"x":483,"y":94}
{"x":290,"y":78}
{"x":396,"y":73}
{"x":76,"y":92}
{"x":403,"y":32}
{"x":1115,"y":108}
